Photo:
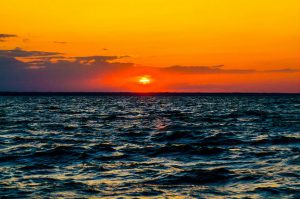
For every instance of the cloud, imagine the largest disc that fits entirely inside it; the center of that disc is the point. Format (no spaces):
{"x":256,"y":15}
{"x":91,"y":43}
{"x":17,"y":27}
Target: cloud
{"x":7,"y":35}
{"x":18,"y":52}
{"x":206,"y":69}
{"x":3,"y":37}
{"x":11,"y":65}
{"x":22,"y":70}
{"x":89,"y":59}
{"x":48,"y":71}
{"x":266,"y":87}
{"x":285,"y":70}
{"x":218,"y":69}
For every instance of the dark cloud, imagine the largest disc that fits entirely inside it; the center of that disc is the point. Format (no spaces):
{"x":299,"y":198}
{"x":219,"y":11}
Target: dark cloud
{"x":18,"y":52}
{"x":47,"y":71}
{"x":11,"y":74}
{"x":11,"y":65}
{"x":5,"y":36}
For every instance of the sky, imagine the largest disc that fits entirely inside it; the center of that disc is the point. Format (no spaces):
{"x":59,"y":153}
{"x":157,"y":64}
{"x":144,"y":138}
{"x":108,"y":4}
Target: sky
{"x":150,"y":45}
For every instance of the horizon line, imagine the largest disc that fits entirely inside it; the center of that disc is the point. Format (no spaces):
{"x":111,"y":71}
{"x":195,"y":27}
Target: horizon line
{"x":116,"y":93}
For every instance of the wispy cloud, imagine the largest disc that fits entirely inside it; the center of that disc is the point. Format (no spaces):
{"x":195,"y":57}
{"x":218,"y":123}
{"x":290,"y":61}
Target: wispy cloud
{"x":285,"y":70}
{"x":3,"y":37}
{"x":219,"y":69}
{"x":206,"y":69}
{"x":18,"y":52}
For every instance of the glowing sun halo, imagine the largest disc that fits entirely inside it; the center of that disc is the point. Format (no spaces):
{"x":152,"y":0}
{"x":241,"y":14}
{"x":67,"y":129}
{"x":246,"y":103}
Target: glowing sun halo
{"x":144,"y":80}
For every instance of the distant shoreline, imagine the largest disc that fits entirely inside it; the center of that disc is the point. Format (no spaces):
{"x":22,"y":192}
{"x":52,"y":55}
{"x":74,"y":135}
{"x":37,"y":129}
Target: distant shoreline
{"x":138,"y":94}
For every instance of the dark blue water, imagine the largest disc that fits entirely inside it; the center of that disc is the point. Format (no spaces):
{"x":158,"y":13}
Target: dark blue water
{"x":223,"y":146}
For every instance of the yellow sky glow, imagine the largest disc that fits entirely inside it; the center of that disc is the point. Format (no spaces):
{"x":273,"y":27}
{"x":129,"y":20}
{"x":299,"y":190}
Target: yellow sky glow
{"x":239,"y":34}
{"x":236,"y":33}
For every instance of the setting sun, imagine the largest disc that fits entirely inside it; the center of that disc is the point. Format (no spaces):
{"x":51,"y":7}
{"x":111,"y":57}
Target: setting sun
{"x":145,"y":80}
{"x":124,"y":90}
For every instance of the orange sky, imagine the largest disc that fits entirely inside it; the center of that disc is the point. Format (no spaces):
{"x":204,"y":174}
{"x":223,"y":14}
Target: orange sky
{"x":257,"y":42}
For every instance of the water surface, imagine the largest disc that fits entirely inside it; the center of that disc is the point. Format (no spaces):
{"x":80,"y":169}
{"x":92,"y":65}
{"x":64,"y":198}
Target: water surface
{"x":206,"y":146}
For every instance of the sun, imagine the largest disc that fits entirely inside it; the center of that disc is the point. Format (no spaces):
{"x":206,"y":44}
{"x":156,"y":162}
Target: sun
{"x":144,"y":80}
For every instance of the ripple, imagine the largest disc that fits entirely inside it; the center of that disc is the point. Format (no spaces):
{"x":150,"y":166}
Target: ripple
{"x":212,"y":146}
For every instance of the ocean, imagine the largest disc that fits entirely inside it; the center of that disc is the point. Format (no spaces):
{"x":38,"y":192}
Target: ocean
{"x":150,"y":146}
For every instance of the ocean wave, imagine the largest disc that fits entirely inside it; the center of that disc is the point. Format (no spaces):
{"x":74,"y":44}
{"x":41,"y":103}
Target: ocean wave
{"x":149,"y":146}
